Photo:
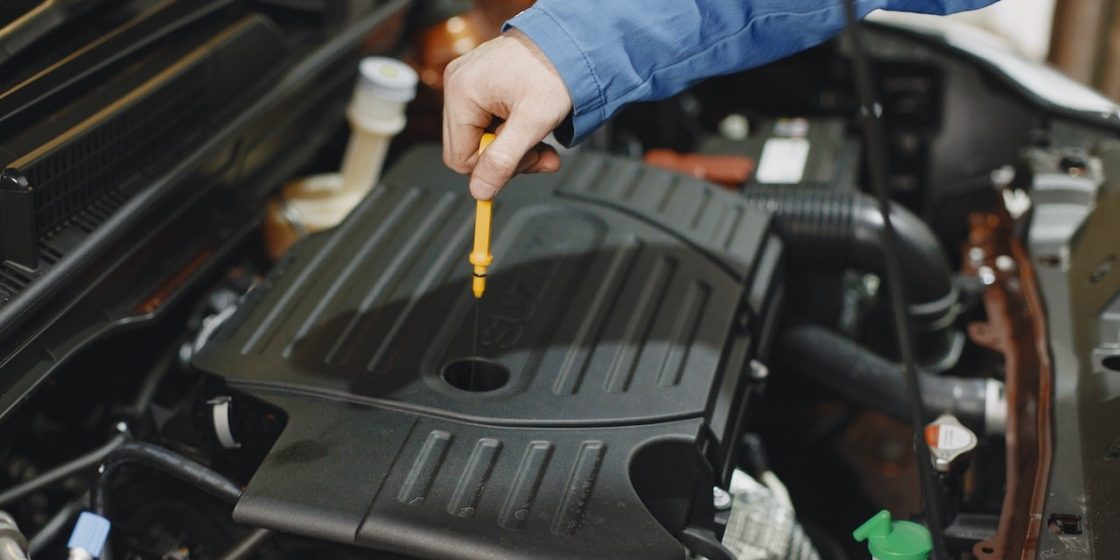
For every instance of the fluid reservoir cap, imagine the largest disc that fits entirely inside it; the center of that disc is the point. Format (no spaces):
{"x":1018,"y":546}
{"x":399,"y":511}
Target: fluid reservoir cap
{"x":949,"y":441}
{"x":388,"y":79}
{"x":894,"y":540}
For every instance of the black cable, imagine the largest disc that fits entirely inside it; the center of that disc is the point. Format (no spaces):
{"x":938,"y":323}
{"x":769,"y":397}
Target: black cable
{"x":164,"y":460}
{"x":65,"y":470}
{"x":152,"y":381}
{"x":877,"y":167}
{"x":92,"y":458}
{"x":52,"y":528}
{"x":247,"y":546}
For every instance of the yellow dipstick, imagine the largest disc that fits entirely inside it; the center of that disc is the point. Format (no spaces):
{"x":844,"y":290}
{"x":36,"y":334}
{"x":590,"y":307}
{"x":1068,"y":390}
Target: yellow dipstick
{"x":481,"y":257}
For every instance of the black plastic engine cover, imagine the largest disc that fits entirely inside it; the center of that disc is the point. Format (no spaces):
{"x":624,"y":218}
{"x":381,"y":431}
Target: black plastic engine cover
{"x":621,"y":313}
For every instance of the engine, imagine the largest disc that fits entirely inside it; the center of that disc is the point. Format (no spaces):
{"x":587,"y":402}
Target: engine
{"x":237,"y":322}
{"x":590,"y":394}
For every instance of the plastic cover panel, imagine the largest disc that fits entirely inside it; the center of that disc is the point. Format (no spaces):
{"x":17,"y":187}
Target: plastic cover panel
{"x":623,"y":326}
{"x":600,"y":317}
{"x":434,"y":488}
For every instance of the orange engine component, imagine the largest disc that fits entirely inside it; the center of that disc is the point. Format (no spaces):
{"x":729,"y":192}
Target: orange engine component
{"x":447,"y":40}
{"x":729,"y":171}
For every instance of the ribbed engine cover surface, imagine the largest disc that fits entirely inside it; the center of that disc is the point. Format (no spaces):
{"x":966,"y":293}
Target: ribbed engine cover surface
{"x":624,"y":302}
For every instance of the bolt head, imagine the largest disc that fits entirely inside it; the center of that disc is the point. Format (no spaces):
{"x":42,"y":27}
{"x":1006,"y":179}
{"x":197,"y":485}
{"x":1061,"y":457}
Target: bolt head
{"x":720,"y":498}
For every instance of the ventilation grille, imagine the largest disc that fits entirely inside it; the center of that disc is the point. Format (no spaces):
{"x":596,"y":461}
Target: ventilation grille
{"x":12,"y":282}
{"x":72,"y":177}
{"x":97,"y":211}
{"x":49,"y":255}
{"x":123,"y":134}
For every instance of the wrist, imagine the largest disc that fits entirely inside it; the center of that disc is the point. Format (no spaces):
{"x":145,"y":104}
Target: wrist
{"x":549,"y":41}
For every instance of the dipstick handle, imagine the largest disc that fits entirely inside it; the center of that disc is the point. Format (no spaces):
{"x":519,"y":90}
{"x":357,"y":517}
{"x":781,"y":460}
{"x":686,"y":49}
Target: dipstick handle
{"x":480,"y":257}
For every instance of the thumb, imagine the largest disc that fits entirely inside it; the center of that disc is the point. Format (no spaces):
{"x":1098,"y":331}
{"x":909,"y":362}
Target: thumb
{"x":499,"y":162}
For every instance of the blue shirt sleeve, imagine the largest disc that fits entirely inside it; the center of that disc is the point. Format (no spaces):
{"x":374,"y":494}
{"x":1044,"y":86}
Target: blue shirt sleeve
{"x":614,"y":52}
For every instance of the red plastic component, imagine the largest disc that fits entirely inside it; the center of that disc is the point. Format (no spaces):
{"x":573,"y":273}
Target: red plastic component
{"x":728,"y":171}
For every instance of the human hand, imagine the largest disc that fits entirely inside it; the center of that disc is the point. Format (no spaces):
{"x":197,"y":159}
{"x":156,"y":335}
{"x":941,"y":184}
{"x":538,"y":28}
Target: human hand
{"x":509,"y":78}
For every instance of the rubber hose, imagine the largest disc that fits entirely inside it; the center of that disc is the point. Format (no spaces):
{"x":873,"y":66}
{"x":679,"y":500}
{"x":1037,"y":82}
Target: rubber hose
{"x":843,"y":228}
{"x":163,"y":460}
{"x":867,"y":379}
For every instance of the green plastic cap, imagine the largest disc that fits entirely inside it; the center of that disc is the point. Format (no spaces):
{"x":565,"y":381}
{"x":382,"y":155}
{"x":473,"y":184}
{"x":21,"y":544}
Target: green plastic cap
{"x":894,"y":540}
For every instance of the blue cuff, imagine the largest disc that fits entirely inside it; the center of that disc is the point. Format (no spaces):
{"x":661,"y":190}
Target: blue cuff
{"x":611,"y":53}
{"x":575,"y":68}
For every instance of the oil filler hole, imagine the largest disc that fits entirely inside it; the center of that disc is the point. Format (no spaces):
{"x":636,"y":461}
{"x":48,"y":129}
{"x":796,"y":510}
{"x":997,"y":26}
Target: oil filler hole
{"x":475,"y":375}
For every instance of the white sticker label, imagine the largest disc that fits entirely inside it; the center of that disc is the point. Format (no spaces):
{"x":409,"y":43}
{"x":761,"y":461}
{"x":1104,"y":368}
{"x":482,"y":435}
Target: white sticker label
{"x":783,"y":160}
{"x":952,"y":438}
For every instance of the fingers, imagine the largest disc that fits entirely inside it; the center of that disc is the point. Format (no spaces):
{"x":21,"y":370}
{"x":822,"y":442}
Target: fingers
{"x":541,"y":159}
{"x":546,"y":160}
{"x":464,"y":121}
{"x":510,"y":79}
{"x":447,"y":143}
{"x":504,"y":158}
{"x":461,"y":135}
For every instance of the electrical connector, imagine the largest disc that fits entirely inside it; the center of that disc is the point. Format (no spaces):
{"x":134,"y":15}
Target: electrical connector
{"x":88,"y":539}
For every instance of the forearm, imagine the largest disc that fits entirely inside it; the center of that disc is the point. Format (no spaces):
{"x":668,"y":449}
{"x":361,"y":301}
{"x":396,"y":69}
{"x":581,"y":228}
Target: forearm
{"x":615,"y":52}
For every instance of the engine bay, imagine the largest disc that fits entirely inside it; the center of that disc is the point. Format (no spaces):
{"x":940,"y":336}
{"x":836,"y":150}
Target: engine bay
{"x":686,"y":349}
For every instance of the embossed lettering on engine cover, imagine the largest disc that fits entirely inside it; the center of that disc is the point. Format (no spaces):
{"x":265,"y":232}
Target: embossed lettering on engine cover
{"x":544,"y":255}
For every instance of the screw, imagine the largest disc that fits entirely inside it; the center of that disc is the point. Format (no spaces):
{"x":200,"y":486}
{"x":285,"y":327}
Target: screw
{"x":870,"y":284}
{"x":987,"y":275}
{"x":720,"y":498}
